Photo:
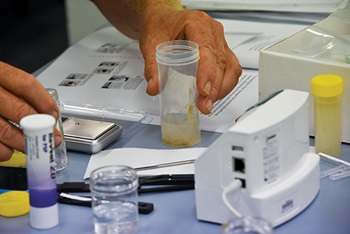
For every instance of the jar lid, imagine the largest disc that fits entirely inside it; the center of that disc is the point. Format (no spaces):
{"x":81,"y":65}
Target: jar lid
{"x":14,"y":203}
{"x":177,"y":53}
{"x":327,"y":85}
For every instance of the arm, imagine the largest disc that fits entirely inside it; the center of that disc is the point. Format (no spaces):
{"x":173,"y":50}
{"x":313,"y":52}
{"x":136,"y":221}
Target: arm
{"x":156,"y":21}
{"x":129,"y":16}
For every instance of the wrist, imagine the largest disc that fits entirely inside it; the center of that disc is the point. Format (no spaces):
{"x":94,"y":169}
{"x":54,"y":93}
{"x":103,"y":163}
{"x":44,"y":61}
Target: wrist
{"x":153,"y":11}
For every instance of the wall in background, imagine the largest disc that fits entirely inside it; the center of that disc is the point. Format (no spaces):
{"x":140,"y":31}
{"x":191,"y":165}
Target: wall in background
{"x":32,"y":32}
{"x":83,"y":17}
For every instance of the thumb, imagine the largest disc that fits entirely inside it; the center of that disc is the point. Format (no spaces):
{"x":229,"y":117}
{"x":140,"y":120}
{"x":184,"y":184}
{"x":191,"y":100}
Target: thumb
{"x":151,"y":68}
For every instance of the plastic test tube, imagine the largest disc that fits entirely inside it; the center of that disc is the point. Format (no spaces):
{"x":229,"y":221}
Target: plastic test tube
{"x":61,"y":150}
{"x":327,"y":90}
{"x":41,"y":172}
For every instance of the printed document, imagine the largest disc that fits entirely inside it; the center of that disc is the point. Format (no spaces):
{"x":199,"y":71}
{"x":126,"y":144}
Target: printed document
{"x":105,"y":72}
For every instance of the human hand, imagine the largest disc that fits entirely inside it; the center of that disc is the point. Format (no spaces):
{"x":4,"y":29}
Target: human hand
{"x":21,"y":94}
{"x":218,"y":68}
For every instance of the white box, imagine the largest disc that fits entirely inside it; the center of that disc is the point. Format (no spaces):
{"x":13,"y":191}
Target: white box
{"x":293,"y":62}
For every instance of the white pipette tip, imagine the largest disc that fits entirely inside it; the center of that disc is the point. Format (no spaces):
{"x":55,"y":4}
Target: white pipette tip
{"x":334,"y":159}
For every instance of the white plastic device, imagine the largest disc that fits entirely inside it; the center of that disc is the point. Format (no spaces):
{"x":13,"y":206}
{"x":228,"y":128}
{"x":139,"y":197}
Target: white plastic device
{"x":268,"y":150}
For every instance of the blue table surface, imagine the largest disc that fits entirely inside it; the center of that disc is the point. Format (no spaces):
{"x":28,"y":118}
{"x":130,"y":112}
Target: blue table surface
{"x":175,"y":211}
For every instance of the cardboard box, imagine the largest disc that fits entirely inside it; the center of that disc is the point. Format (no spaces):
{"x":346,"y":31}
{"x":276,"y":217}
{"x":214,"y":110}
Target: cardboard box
{"x":323,"y":48}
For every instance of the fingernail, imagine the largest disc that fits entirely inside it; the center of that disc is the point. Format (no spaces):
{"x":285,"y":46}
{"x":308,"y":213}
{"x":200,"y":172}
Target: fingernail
{"x":209,"y":105}
{"x":58,"y":140}
{"x":55,"y":114}
{"x":150,"y":81}
{"x":207,"y":88}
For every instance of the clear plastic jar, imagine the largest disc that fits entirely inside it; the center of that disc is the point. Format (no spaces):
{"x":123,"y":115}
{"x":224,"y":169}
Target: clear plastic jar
{"x":246,"y":224}
{"x":114,"y":199}
{"x":177,"y":69}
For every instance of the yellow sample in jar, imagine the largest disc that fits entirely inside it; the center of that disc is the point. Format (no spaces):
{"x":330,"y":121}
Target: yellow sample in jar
{"x":179,"y":130}
{"x":328,"y":125}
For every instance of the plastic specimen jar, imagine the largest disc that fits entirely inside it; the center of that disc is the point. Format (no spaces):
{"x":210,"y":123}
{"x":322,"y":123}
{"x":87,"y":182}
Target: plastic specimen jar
{"x":246,"y":224}
{"x":114,"y":199}
{"x":327,"y":90}
{"x":177,"y":71}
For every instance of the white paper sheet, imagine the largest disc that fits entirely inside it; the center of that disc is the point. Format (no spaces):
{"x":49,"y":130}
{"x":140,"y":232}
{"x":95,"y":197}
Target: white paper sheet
{"x":140,"y":157}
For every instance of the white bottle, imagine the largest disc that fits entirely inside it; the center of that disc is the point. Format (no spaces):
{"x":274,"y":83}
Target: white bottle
{"x":41,"y":171}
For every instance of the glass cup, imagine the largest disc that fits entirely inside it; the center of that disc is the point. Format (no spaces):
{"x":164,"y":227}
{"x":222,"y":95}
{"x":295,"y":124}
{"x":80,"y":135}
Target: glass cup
{"x":177,"y":71}
{"x":61,"y":150}
{"x":246,"y":224}
{"x":114,"y":199}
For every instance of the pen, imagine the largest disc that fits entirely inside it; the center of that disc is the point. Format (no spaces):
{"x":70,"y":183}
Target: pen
{"x":170,"y":164}
{"x":334,"y":159}
{"x":166,"y":183}
{"x":167,"y":179}
{"x":64,"y":198}
{"x":156,"y":183}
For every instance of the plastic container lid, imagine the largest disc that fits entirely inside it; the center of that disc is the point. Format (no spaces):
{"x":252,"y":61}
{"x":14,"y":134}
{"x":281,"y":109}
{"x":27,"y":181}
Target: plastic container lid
{"x":177,"y":53}
{"x":14,"y":203}
{"x":18,"y":159}
{"x":327,"y":85}
{"x":37,"y":122}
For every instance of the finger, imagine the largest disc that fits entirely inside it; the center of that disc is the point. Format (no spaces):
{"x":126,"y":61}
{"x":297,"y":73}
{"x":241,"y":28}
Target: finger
{"x":211,"y":68}
{"x":151,"y":72}
{"x":5,"y":152}
{"x":231,"y":74}
{"x":202,"y":105}
{"x":12,"y":107}
{"x":151,"y":67}
{"x":26,"y":86}
{"x":11,"y":136}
